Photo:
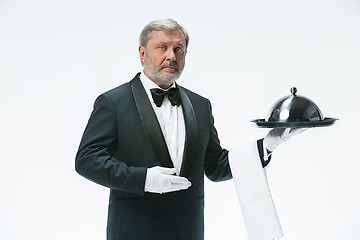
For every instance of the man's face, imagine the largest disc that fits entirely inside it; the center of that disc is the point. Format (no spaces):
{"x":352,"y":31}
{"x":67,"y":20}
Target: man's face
{"x":164,"y":57}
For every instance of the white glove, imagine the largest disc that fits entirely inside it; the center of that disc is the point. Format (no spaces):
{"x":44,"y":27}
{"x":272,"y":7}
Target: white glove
{"x":279,"y":135}
{"x":161,"y":180}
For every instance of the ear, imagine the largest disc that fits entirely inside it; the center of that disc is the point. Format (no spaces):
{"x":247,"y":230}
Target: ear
{"x":141,"y":53}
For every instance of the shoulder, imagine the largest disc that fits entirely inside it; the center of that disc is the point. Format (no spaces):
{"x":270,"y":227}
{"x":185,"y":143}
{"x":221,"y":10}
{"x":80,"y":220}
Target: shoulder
{"x":120,"y":92}
{"x":194,"y":96}
{"x":199,"y":102}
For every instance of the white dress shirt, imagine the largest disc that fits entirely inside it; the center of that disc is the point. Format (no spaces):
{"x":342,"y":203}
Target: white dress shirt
{"x":171,"y":121}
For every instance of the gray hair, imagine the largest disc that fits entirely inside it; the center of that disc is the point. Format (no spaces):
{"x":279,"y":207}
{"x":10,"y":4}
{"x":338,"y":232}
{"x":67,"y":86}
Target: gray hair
{"x":167,"y":24}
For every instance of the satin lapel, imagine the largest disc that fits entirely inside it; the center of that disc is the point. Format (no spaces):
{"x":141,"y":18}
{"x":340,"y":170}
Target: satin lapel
{"x":150,"y":123}
{"x":191,"y":132}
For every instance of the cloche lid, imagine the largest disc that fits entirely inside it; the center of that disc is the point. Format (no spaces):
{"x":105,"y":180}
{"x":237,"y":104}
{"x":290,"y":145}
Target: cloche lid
{"x":296,"y":112}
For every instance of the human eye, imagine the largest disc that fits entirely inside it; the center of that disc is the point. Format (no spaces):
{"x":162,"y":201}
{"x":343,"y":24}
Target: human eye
{"x":178,"y":49}
{"x":161,"y":47}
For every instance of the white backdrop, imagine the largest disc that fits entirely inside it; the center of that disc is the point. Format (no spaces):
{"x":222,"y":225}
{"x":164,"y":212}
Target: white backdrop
{"x":56,"y":57}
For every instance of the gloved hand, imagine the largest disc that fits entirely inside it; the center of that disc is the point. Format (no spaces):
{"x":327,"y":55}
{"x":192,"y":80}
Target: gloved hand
{"x":161,"y":180}
{"x":279,"y":135}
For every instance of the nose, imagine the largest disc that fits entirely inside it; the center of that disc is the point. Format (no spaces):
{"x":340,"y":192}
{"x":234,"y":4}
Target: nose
{"x":170,"y":55}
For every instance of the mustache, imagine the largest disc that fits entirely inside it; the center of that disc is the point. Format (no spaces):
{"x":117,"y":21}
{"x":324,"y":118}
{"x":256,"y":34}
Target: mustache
{"x":172,"y":64}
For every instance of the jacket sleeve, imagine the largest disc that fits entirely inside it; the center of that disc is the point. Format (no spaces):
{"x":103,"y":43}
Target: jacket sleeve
{"x":216,"y":164}
{"x":94,"y":159}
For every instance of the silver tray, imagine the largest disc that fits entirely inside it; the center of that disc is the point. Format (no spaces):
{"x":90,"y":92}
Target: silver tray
{"x":311,"y":124}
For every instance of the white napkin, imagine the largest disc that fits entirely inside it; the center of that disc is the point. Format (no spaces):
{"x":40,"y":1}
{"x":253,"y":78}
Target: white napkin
{"x":260,"y":217}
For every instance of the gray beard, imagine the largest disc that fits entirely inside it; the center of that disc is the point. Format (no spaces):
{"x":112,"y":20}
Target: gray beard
{"x":159,"y":78}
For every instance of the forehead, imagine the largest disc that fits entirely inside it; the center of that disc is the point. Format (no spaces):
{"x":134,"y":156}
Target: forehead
{"x":171,"y":37}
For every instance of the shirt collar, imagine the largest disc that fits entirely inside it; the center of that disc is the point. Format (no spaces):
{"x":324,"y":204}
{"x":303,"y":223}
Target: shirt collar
{"x":148,"y":84}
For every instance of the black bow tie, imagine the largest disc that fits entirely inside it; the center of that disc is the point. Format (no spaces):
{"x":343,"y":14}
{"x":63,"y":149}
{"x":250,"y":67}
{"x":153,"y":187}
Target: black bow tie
{"x":172,"y":94}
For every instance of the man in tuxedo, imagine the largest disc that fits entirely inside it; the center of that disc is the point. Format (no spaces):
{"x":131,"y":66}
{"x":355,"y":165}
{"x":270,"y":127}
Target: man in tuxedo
{"x":151,"y":141}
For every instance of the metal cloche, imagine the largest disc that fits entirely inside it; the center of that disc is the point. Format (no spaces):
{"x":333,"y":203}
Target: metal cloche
{"x":295,"y":111}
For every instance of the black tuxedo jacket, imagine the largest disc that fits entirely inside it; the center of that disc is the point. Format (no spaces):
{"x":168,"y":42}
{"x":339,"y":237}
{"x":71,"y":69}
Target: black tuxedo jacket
{"x":123,"y":138}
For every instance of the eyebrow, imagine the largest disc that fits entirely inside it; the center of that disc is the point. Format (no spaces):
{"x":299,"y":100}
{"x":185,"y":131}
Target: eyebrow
{"x":179,"y":44}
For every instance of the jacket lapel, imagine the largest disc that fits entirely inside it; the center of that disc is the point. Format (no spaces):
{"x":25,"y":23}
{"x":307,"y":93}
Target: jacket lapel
{"x":191,"y":132}
{"x":150,"y":122}
{"x":153,"y":130}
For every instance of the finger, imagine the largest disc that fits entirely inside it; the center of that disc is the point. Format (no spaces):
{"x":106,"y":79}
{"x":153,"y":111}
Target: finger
{"x":276,"y":131}
{"x":297,"y":130}
{"x":178,"y":186}
{"x":286,"y":134}
{"x":178,"y":180}
{"x":173,"y":188}
{"x":168,"y":171}
{"x":287,"y":131}
{"x":174,"y":183}
{"x":170,"y":180}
